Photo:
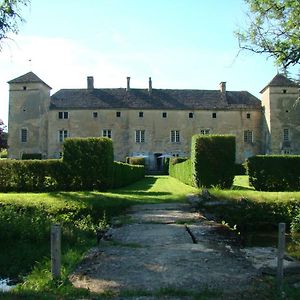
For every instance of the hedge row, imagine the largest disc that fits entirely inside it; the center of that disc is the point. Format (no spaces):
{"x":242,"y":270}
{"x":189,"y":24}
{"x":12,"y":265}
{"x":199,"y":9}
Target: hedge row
{"x":274,"y":172}
{"x":124,"y":174}
{"x":33,"y":175}
{"x":213,"y":160}
{"x":87,"y":164}
{"x":182,"y":170}
{"x":134,"y":160}
{"x":52,"y":175}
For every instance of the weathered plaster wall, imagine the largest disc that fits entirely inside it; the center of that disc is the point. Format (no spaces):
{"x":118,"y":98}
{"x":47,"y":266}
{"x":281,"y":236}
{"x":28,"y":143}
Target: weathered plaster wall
{"x":28,"y":108}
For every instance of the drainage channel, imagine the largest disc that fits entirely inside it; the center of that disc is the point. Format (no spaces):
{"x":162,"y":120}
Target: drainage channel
{"x":191,"y":234}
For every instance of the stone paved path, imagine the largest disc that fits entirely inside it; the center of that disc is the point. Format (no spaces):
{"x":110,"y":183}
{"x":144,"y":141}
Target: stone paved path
{"x":154,"y":251}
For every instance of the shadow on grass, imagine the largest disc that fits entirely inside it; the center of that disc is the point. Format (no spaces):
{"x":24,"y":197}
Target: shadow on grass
{"x":242,"y":188}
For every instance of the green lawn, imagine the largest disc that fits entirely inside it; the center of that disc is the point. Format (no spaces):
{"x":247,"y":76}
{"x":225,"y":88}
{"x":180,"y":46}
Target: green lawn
{"x":25,"y":220}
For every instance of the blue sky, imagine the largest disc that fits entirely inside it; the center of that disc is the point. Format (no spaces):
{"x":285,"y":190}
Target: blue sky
{"x":180,"y":44}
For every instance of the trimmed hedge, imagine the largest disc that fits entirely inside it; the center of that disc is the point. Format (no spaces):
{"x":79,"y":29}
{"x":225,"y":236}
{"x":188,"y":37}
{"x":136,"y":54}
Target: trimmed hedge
{"x":89,"y":161}
{"x":135,"y":160}
{"x":213,"y":160}
{"x":125,"y":174}
{"x":182,"y":170}
{"x":87,"y":164}
{"x":274,"y":172}
{"x":33,"y":175}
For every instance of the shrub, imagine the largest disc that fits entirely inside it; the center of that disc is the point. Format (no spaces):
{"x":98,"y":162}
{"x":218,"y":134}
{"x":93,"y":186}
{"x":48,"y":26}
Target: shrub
{"x":3,"y":153}
{"x":90,"y":162}
{"x":31,"y":156}
{"x":176,"y":160}
{"x":274,"y":172}
{"x":213,"y":158}
{"x":124,"y":174}
{"x":182,"y":170}
{"x":32,"y":175}
{"x":134,"y":160}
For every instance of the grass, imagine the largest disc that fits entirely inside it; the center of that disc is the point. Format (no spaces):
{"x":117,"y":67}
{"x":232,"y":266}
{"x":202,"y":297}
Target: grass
{"x":25,"y":220}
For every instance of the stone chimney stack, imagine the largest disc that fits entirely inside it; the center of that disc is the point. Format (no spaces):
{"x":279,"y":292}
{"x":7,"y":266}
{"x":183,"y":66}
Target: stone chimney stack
{"x":223,"y":87}
{"x":90,"y":82}
{"x":128,"y":84}
{"x":150,"y":86}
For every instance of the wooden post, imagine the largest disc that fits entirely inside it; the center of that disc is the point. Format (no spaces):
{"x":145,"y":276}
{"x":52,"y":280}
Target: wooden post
{"x":55,"y":250}
{"x":280,"y":254}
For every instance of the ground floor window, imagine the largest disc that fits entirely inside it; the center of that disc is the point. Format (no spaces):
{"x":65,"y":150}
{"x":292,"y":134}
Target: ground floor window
{"x":62,"y":135}
{"x":140,"y":136}
{"x":106,"y":133}
{"x":204,"y":131}
{"x":175,"y":136}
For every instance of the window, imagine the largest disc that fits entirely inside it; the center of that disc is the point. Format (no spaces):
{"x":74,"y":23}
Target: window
{"x":140,"y":136}
{"x":248,"y":136}
{"x":214,"y":115}
{"x":141,"y":114}
{"x":24,"y":88}
{"x":62,"y":135}
{"x":248,"y":115}
{"x":284,"y":91}
{"x":191,"y":115}
{"x":95,"y":114}
{"x":164,"y":114}
{"x":286,"y":135}
{"x":106,"y":133}
{"x":175,"y":136}
{"x":63,"y":115}
{"x":287,"y":151}
{"x":204,"y":131}
{"x":24,"y":135}
{"x":118,"y":114}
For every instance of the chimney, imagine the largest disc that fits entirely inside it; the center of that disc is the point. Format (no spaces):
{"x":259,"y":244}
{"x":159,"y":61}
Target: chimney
{"x":128,"y":84}
{"x":90,"y":82}
{"x":223,"y":87}
{"x":150,"y":85}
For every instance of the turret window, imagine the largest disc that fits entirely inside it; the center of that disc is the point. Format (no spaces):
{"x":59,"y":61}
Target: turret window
{"x":286,"y":135}
{"x":248,"y":116}
{"x":24,"y":135}
{"x":248,"y":136}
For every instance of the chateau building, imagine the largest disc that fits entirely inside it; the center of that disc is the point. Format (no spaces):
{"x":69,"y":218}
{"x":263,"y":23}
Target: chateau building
{"x":152,"y":123}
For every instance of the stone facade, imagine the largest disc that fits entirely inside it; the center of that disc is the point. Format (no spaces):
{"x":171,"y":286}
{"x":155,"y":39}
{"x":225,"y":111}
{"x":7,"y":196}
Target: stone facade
{"x":151,"y":122}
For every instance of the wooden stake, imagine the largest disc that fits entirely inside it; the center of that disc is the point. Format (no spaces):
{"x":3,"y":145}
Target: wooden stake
{"x":280,"y":254}
{"x":55,"y":250}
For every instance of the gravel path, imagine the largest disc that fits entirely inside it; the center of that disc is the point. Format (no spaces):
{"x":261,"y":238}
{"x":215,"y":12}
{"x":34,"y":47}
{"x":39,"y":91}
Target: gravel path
{"x":165,"y":246}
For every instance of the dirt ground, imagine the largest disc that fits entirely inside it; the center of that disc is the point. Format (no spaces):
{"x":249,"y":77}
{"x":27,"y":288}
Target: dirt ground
{"x":166,"y":247}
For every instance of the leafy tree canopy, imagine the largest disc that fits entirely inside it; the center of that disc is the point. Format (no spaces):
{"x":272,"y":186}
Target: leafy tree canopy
{"x":3,"y":136}
{"x":273,"y":29}
{"x":10,"y":16}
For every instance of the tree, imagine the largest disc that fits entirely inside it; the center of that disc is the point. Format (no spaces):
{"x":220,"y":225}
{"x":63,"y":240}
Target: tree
{"x":3,"y":136}
{"x":273,"y":29}
{"x":10,"y":17}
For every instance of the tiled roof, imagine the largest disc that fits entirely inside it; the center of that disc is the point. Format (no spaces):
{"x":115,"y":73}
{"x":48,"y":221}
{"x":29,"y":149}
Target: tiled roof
{"x":29,"y":77}
{"x":280,"y":80}
{"x":158,"y":99}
